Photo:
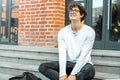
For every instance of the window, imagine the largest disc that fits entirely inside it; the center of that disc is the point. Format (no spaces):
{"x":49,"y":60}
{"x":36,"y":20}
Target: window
{"x":97,"y":18}
{"x":114,"y":29}
{"x":14,"y":21}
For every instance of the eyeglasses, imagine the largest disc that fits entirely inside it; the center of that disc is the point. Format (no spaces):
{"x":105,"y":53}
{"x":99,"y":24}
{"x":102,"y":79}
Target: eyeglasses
{"x":70,"y":11}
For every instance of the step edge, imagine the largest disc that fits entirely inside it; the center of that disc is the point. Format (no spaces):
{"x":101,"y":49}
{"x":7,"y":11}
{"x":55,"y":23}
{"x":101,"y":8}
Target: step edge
{"x":106,"y":63}
{"x":99,"y":77}
{"x":43,"y":49}
{"x":27,"y":67}
{"x":28,"y":48}
{"x":28,"y":57}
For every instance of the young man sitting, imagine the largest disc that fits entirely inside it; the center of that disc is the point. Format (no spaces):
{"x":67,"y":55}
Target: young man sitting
{"x":75,"y":43}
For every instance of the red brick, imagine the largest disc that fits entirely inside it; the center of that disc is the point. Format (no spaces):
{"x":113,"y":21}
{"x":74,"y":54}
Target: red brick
{"x":49,"y":4}
{"x":49,"y":36}
{"x":42,"y":29}
{"x":27,"y":6}
{"x":42,"y":22}
{"x":54,"y":25}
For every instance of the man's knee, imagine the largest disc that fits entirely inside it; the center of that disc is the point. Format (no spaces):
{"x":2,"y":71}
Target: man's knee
{"x":42,"y":67}
{"x":87,"y":73}
{"x":80,"y":76}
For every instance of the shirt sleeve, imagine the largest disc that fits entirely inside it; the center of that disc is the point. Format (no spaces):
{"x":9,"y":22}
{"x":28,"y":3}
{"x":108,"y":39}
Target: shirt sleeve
{"x":85,"y":53}
{"x":62,"y":54}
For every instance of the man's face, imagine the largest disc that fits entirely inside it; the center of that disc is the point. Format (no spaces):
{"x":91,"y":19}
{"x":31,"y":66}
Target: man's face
{"x":74,"y":14}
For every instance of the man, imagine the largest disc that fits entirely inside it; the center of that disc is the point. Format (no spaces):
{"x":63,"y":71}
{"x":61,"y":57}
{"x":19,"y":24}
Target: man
{"x":75,"y":43}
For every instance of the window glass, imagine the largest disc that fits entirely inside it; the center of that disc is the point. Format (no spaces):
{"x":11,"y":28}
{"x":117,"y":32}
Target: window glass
{"x":114,"y":29}
{"x":97,"y":18}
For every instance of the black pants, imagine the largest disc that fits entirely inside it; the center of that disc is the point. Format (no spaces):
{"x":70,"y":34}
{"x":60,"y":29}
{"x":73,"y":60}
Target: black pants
{"x":51,"y":70}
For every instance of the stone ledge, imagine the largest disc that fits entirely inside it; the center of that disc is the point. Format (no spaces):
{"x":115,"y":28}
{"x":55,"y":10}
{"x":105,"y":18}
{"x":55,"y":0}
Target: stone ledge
{"x":55,"y":50}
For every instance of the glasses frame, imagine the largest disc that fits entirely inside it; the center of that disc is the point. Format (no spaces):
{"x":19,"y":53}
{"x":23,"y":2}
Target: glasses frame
{"x":76,"y":11}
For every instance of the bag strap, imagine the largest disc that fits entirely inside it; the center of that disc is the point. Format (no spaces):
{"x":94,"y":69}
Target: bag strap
{"x":31,"y":74}
{"x":16,"y":77}
{"x":23,"y":75}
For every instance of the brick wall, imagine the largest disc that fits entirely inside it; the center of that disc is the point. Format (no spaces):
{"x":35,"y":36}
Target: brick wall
{"x":40,"y":21}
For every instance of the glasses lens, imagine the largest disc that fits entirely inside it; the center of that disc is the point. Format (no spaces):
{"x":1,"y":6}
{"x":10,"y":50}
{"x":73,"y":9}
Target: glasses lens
{"x":70,"y":11}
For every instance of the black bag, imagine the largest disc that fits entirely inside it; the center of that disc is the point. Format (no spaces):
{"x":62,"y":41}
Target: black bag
{"x":25,"y":76}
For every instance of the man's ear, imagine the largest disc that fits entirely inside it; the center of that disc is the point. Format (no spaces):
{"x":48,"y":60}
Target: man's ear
{"x":82,"y":15}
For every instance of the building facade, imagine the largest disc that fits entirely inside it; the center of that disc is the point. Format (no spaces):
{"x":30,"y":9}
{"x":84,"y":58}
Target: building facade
{"x":37,"y":22}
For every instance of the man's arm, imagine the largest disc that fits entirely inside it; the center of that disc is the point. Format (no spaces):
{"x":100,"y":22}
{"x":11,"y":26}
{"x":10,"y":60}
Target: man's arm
{"x":85,"y":53}
{"x":62,"y":54}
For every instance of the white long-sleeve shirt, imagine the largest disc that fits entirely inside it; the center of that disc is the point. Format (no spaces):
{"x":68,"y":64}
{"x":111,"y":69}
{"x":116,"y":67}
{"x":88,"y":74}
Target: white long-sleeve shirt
{"x":75,"y":48}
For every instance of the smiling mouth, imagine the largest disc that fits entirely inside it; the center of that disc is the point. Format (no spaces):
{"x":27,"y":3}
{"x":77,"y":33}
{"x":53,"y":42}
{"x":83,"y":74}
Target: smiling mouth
{"x":72,"y":15}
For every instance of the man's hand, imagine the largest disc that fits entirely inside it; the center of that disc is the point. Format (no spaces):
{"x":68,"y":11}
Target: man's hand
{"x":71,"y":77}
{"x":63,"y":77}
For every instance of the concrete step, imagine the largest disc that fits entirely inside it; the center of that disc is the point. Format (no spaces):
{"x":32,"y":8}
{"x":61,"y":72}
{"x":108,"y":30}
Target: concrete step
{"x":110,"y":55}
{"x":107,"y":66}
{"x":31,"y":59}
{"x":21,"y":61}
{"x":5,"y":76}
{"x":107,"y":63}
{"x":105,"y":76}
{"x":40,"y":58}
{"x":54,"y":56}
{"x":28,"y":48}
{"x":28,"y":53}
{"x":15,"y":69}
{"x":106,"y":55}
{"x":105,"y":58}
{"x":14,"y":60}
